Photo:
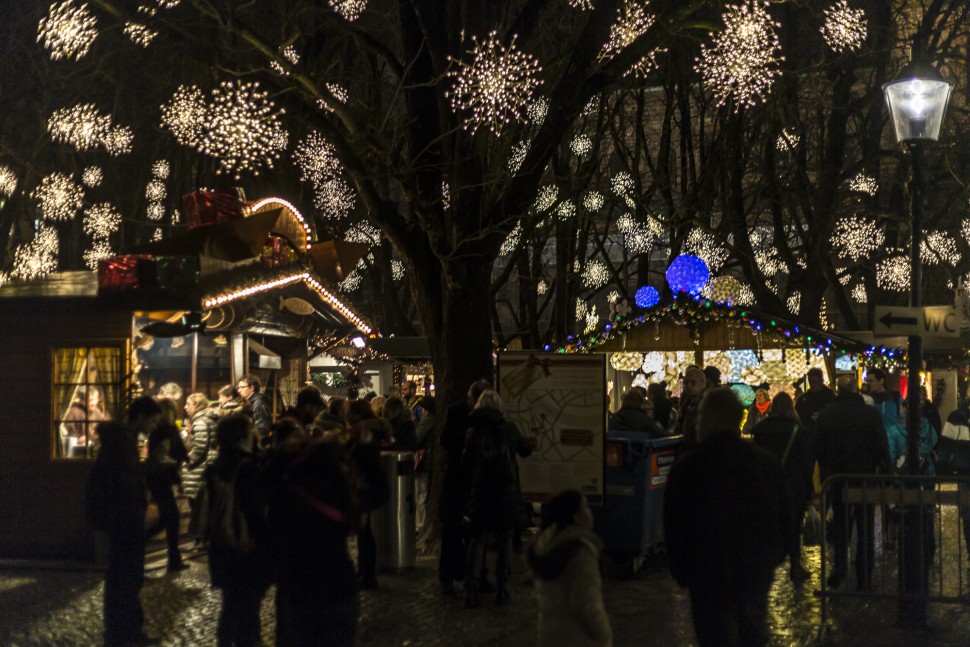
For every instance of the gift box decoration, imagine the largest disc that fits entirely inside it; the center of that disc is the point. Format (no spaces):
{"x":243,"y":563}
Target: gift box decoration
{"x":147,"y":272}
{"x":277,"y":252}
{"x":210,"y":207}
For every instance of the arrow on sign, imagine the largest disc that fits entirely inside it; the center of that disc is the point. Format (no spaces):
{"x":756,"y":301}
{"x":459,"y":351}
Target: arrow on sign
{"x":888,"y":320}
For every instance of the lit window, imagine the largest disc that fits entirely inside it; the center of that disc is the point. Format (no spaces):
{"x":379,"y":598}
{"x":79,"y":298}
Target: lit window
{"x":87,"y":389}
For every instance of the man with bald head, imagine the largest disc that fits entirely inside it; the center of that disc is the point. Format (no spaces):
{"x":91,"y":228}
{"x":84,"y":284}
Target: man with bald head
{"x":851,"y":439}
{"x":727,"y":526}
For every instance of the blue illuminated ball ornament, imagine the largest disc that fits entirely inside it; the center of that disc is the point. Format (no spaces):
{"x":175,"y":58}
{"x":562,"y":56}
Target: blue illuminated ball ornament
{"x":647,"y":297}
{"x":745,"y":393}
{"x":688,"y":273}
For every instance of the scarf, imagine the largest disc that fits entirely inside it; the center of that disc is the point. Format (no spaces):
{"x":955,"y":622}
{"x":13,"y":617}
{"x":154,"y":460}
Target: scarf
{"x":763,"y":409}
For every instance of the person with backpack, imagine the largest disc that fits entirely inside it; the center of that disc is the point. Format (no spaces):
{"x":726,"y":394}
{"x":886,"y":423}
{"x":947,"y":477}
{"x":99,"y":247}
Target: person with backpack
{"x":239,"y":539}
{"x":493,"y":496}
{"x":564,"y":559}
{"x":115,"y":500}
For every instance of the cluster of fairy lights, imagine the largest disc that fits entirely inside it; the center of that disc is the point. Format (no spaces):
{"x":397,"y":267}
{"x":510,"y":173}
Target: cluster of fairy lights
{"x":566,"y":211}
{"x":139,"y":34}
{"x":593,"y":201}
{"x":363,"y":232}
{"x":844,"y":29}
{"x":317,"y":160}
{"x":546,"y":198}
{"x":512,"y":240}
{"x":38,"y":257}
{"x":892,"y":274}
{"x":59,"y":196}
{"x":8,"y":182}
{"x":290,"y":55}
{"x":350,"y":10}
{"x":939,"y":247}
{"x":622,"y":183}
{"x":581,"y":145}
{"x":92,"y":177}
{"x":584,"y":5}
{"x":856,"y":237}
{"x":794,"y":302}
{"x":707,"y":247}
{"x":538,"y":110}
{"x":239,"y":125}
{"x":638,"y":237}
{"x":68,"y":30}
{"x":100,"y":250}
{"x":863,"y":183}
{"x":101,"y":220}
{"x":84,"y":127}
{"x":787,"y":141}
{"x":595,"y":275}
{"x":632,"y":22}
{"x":338,"y":93}
{"x":517,"y":156}
{"x":492,"y":89}
{"x":745,"y":57}
{"x":586,"y":313}
{"x":859,"y":293}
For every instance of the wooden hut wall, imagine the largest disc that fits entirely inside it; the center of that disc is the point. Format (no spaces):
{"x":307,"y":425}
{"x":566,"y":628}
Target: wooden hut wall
{"x":42,"y":498}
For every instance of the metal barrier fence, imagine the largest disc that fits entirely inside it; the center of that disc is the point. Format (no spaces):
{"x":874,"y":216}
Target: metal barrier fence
{"x":882,"y":561}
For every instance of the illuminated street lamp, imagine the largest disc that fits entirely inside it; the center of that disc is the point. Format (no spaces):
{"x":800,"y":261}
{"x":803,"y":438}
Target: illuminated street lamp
{"x":917,"y":100}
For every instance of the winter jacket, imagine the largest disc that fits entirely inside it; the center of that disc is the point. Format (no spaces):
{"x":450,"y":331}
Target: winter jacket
{"x":565,"y":562}
{"x":491,"y":472}
{"x":262,"y":418}
{"x":887,"y":404}
{"x":202,"y":452}
{"x":404,"y":434}
{"x":166,"y":453}
{"x":425,"y":437}
{"x":635,"y":419}
{"x":954,"y":444}
{"x":851,"y":438}
{"x":727,"y":516}
{"x":813,"y":402}
{"x":773,"y":434}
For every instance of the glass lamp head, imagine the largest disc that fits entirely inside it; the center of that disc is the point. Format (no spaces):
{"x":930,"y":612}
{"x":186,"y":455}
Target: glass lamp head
{"x":917,"y":100}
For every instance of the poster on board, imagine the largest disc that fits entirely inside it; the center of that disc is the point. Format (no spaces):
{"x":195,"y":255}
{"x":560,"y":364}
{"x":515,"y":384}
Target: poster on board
{"x":559,"y":402}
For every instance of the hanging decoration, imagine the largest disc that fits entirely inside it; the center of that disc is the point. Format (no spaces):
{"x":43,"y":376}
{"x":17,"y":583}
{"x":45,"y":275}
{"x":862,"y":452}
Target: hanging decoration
{"x":688,"y":273}
{"x":647,"y":297}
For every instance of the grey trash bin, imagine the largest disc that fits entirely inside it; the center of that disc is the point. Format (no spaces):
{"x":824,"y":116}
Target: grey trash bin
{"x":393,"y":524}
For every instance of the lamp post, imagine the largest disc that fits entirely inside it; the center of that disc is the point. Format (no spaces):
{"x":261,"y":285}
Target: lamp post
{"x":917,"y":100}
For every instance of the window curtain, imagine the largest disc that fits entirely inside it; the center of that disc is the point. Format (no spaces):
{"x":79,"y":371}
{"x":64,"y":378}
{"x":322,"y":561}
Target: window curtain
{"x":107,"y":369}
{"x":69,"y":367}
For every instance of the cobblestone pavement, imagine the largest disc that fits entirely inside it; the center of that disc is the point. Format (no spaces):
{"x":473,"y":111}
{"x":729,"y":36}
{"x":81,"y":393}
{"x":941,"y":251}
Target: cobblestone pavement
{"x":59,"y":607}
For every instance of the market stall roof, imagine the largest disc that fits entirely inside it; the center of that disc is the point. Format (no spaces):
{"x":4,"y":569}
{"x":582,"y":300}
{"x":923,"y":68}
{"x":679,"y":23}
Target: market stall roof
{"x":702,"y":324}
{"x":236,"y":240}
{"x":402,"y":348}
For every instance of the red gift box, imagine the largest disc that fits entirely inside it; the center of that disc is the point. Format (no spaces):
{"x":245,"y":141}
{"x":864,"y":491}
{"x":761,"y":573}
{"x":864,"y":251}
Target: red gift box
{"x":120,"y":272}
{"x":147,"y":272}
{"x":210,"y":207}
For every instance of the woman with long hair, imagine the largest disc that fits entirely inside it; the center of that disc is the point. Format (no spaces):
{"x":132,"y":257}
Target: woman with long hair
{"x":782,"y":435}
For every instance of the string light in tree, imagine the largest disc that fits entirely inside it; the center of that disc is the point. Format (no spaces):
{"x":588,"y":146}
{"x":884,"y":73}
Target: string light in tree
{"x":587,"y":315}
{"x":863,"y":183}
{"x":350,"y":10}
{"x":155,"y":190}
{"x":745,"y":57}
{"x":139,"y":34}
{"x":595,"y":275}
{"x":158,"y":235}
{"x":622,"y":183}
{"x":290,"y":55}
{"x":161,"y":169}
{"x":68,"y":30}
{"x":787,"y":141}
{"x":542,"y":287}
{"x":581,"y":145}
{"x":495,"y":85}
{"x":859,"y":293}
{"x":566,"y":211}
{"x":334,"y":198}
{"x":397,"y":270}
{"x":517,"y":156}
{"x":591,"y":106}
{"x":244,"y":129}
{"x":939,"y":247}
{"x":593,"y":201}
{"x":60,"y":197}
{"x":583,"y":5}
{"x":338,"y":92}
{"x":155,"y":211}
{"x":168,"y":4}
{"x":101,"y":220}
{"x":546,"y":198}
{"x":745,"y":296}
{"x":794,"y":302}
{"x":99,"y":250}
{"x":317,"y":159}
{"x":512,"y":240}
{"x":844,"y":29}
{"x":706,"y":246}
{"x":81,"y":126}
{"x":538,"y":110}
{"x":892,"y":274}
{"x":8,"y":181}
{"x":632,"y":22}
{"x":856,"y":237}
{"x":351,"y":282}
{"x":118,"y":141}
{"x":185,"y":115}
{"x":645,"y":64}
{"x":38,"y":257}
{"x":964,"y":226}
{"x":445,"y":196}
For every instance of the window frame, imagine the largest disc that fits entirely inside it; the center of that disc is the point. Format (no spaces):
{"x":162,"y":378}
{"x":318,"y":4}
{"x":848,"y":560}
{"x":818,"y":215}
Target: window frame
{"x":121,"y":386}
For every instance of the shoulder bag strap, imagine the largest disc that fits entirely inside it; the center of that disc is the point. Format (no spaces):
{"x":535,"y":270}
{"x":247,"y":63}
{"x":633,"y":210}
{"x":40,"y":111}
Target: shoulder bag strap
{"x":791,"y":440}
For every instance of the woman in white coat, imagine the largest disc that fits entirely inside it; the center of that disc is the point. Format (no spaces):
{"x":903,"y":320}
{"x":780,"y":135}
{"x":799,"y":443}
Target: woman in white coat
{"x":565,"y":561}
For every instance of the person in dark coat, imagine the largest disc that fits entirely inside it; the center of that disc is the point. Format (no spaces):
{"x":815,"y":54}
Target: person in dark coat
{"x":249,"y":388}
{"x":454,"y":542}
{"x":115,"y":504}
{"x":493,"y":495}
{"x":243,"y":574}
{"x":401,"y":419}
{"x":814,"y":400}
{"x":782,"y":435}
{"x":727,"y":526}
{"x":695,"y":382}
{"x":311,"y":513}
{"x":166,"y":453}
{"x":662,"y":406}
{"x":631,"y":416}
{"x":851,"y":439}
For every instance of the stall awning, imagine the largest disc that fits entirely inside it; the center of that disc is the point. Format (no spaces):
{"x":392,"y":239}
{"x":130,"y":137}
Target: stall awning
{"x":265,"y":357}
